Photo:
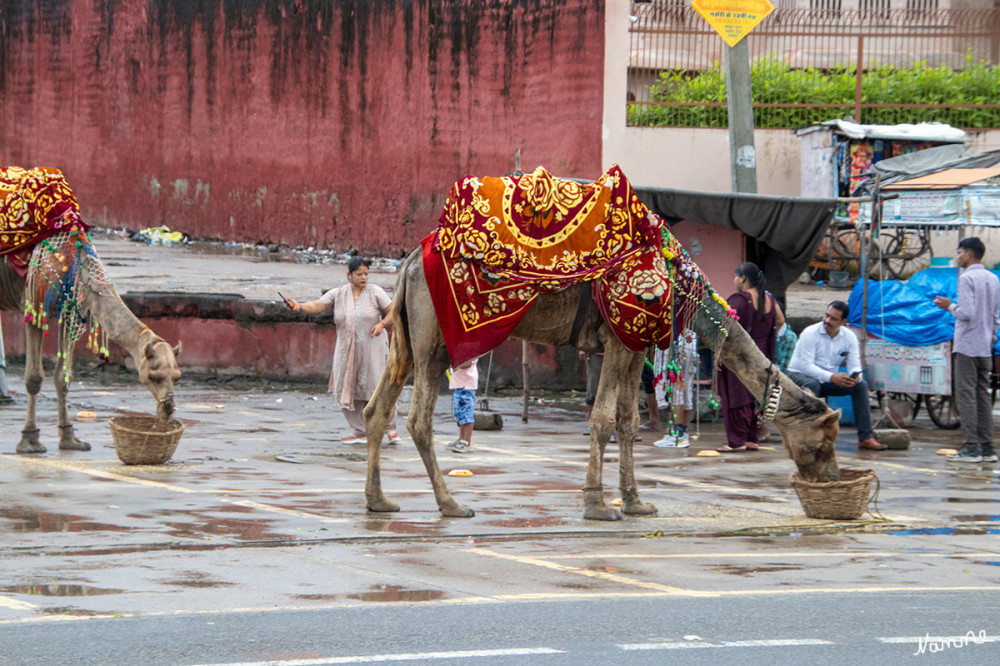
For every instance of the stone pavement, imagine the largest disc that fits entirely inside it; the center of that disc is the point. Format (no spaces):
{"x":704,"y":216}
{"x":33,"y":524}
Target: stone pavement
{"x":266,"y":463}
{"x":271,"y":456}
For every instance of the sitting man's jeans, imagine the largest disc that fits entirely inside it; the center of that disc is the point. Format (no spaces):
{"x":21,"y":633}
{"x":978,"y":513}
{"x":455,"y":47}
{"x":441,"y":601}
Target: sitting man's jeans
{"x":859,"y":399}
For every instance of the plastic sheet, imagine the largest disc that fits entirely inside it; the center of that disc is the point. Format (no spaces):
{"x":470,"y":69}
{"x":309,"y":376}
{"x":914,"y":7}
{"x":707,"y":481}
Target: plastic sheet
{"x":905,"y":313}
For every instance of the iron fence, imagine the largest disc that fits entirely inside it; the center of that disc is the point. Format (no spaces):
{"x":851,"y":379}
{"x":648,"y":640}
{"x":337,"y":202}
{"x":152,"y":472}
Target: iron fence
{"x":875,"y":64}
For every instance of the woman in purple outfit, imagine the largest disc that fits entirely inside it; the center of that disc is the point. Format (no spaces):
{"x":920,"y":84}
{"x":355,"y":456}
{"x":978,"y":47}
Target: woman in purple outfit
{"x":759,"y":314}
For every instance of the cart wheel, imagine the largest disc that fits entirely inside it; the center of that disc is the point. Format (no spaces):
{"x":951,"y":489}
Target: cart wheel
{"x":943,"y":411}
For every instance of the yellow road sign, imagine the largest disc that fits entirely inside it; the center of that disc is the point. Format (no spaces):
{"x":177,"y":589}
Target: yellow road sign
{"x":733,"y":19}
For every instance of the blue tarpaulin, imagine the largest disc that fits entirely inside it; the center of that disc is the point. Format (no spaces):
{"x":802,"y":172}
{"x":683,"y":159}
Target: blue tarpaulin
{"x":904,"y":313}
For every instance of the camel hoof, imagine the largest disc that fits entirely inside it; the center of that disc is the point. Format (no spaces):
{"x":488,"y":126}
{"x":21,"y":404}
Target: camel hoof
{"x":30,"y":446}
{"x":637,"y":508}
{"x":74,"y":445}
{"x":453,"y":510}
{"x":600,"y":512}
{"x":382,"y":505}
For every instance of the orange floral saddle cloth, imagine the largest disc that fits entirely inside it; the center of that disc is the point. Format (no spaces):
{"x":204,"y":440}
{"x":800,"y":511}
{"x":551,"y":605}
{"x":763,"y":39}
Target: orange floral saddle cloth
{"x":502,"y":241}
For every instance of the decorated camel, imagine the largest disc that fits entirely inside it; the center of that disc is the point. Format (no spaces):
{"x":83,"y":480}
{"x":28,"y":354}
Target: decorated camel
{"x":554,"y":262}
{"x":50,"y":271}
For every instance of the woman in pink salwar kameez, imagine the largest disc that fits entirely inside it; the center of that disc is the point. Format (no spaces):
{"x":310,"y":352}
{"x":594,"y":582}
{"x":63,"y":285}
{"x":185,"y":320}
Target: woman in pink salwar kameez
{"x":360,"y":313}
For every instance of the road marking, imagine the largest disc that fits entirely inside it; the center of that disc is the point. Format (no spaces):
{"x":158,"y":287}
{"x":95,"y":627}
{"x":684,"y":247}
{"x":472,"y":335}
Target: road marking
{"x":285,"y":512}
{"x":412,"y":656}
{"x":603,"y":575}
{"x":776,"y":642}
{"x":15,"y":604}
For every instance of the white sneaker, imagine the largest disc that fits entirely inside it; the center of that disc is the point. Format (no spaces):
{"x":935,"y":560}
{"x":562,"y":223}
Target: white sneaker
{"x":683,"y":440}
{"x":668,"y":441}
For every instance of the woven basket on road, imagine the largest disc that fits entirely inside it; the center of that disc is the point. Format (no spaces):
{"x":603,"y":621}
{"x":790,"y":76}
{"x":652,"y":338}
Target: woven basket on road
{"x":145,"y":440}
{"x":845,"y":499}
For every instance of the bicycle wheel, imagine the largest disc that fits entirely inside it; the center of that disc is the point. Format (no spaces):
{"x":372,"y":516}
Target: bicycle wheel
{"x":943,"y":411}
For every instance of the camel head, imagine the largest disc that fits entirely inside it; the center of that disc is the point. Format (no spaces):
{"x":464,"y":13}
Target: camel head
{"x":809,"y":433}
{"x":158,"y":371}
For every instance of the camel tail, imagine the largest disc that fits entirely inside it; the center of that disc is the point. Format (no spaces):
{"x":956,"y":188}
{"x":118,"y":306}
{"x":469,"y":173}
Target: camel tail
{"x":400,"y":351}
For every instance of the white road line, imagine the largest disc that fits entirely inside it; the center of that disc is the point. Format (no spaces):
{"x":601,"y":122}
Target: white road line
{"x":776,"y":642}
{"x":15,"y":604}
{"x":414,"y":656}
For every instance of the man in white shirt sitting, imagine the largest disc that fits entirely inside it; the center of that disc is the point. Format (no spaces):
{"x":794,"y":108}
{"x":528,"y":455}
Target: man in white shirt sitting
{"x":821,"y":350}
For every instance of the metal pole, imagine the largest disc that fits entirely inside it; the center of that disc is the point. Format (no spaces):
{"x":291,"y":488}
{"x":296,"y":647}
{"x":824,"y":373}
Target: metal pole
{"x":857,"y":79}
{"x":527,"y":384}
{"x":739,"y":97}
{"x":864,"y":269}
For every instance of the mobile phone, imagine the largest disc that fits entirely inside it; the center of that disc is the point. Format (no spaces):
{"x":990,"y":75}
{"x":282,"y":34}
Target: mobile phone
{"x":855,"y":375}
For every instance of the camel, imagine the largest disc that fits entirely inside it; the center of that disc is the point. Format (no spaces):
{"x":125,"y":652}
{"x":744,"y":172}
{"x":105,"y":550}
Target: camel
{"x":807,"y":426}
{"x":97,"y":300}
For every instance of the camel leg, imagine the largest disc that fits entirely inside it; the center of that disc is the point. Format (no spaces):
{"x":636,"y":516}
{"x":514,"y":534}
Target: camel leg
{"x":376,"y":417}
{"x":420,"y":424}
{"x":602,"y":424}
{"x":627,"y":420}
{"x":33,"y":376}
{"x":68,"y":440}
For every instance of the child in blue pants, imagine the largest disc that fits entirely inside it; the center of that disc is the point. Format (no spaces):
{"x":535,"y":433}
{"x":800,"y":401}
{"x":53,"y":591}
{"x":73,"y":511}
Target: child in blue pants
{"x":463,"y":382}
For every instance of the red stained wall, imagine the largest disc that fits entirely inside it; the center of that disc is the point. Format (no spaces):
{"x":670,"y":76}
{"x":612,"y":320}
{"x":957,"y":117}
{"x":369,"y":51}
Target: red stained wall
{"x":332,"y":123}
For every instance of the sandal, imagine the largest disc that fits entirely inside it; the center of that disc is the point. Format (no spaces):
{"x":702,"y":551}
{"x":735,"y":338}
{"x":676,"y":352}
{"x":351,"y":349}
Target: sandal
{"x":354,"y":439}
{"x":751,"y":447}
{"x":732,"y":449}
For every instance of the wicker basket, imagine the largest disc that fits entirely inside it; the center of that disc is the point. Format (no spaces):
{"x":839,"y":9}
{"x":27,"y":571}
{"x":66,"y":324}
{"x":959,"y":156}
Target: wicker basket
{"x":144,"y":440}
{"x":846,"y":499}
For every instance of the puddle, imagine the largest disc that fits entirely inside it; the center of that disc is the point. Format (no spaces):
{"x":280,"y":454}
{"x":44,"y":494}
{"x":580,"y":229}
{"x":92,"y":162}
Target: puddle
{"x":749,"y":571}
{"x":69,"y":610}
{"x":376,"y":524}
{"x":977,"y":518}
{"x":244,"y":530}
{"x":196,"y":580}
{"x":396,"y":593}
{"x":26,"y":520}
{"x":754,"y":498}
{"x":610,"y":570}
{"x":957,"y":531}
{"x":517,"y":523}
{"x":58,"y":590}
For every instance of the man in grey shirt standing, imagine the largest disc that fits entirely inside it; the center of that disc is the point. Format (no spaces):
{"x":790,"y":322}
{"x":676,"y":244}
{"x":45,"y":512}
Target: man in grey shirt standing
{"x":977,"y":319}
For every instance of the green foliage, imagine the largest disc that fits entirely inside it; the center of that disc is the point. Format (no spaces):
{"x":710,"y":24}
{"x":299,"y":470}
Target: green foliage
{"x":698,"y":99}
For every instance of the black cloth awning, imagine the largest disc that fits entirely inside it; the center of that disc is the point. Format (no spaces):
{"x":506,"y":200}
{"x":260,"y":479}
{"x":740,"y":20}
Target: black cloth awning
{"x":790,"y":228}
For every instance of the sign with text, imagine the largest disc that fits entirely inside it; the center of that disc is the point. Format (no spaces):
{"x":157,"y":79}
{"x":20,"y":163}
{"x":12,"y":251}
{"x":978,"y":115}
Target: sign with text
{"x":901,"y":369}
{"x":733,"y":19}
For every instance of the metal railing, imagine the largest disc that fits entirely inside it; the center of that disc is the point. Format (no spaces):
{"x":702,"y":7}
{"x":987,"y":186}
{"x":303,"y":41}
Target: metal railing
{"x":877,"y":65}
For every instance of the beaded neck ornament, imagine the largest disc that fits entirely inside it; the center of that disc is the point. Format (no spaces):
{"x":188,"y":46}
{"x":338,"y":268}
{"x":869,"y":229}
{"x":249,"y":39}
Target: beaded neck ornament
{"x":691,"y":296}
{"x":55,"y":281}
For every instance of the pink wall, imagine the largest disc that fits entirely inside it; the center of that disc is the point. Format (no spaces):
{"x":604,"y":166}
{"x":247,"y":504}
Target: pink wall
{"x":333,"y":123}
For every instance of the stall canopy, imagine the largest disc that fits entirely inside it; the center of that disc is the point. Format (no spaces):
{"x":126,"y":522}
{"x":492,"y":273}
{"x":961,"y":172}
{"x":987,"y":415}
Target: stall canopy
{"x":790,"y":228}
{"x":927,"y":162}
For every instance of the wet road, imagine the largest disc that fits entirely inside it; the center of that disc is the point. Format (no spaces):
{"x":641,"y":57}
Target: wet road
{"x":254,"y":546}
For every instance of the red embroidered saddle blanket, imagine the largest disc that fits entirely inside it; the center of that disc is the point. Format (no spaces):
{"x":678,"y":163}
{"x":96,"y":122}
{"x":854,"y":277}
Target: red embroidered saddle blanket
{"x":502,"y":241}
{"x":34,"y":205}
